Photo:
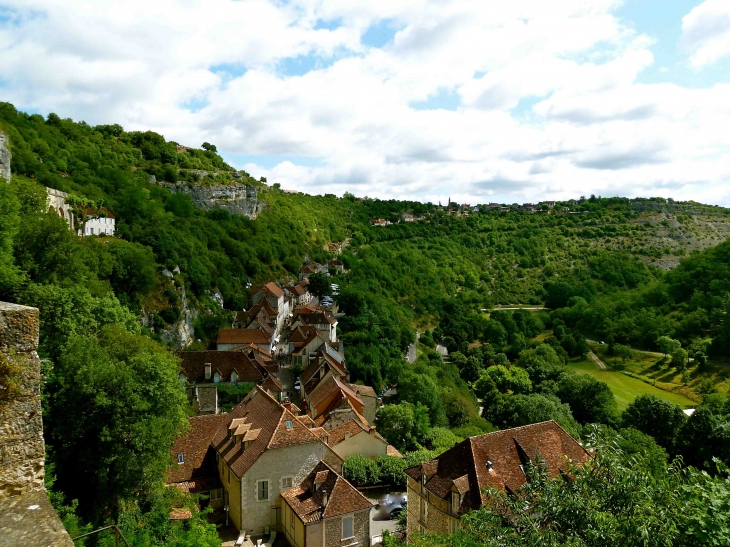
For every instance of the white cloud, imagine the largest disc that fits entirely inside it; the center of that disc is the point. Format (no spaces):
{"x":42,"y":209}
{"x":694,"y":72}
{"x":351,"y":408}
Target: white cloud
{"x":706,"y":32}
{"x":549,"y":100}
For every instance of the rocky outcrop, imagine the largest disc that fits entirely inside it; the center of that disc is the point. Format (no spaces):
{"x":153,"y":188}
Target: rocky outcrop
{"x":238,"y":199}
{"x":5,"y":157}
{"x":182,"y":332}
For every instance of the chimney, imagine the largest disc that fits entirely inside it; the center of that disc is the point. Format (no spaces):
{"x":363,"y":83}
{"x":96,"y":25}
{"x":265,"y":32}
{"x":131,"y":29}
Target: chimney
{"x":286,"y":403}
{"x":372,"y":431}
{"x":208,"y":367}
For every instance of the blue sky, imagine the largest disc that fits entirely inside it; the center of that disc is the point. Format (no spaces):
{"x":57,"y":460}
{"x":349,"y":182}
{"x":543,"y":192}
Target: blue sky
{"x":425,"y":99}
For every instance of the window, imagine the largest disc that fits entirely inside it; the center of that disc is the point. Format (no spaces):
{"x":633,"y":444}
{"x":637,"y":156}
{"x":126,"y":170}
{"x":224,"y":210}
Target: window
{"x":216,"y":494}
{"x":289,"y":424}
{"x":217,"y":378}
{"x":234,"y":378}
{"x":424,"y":510}
{"x":347,"y":528}
{"x":286,"y":482}
{"x":180,"y":457}
{"x":455,"y":502}
{"x":262,"y":490}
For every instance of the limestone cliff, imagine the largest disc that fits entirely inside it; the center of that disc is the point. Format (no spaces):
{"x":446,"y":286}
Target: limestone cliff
{"x":5,"y":157}
{"x":238,"y":199}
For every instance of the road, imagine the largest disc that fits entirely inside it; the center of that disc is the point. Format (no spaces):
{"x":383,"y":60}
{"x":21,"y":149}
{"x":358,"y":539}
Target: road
{"x":596,"y":360}
{"x":515,"y":307}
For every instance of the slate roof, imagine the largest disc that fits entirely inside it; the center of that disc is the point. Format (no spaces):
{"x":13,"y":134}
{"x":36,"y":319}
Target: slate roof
{"x":342,"y":497}
{"x":269,"y":418}
{"x":465,"y":467}
{"x":353,"y":427}
{"x":243,"y":336}
{"x":224,"y":362}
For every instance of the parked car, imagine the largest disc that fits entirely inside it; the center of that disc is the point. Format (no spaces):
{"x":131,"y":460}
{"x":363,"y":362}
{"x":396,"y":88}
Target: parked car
{"x":391,"y":506}
{"x":298,"y":384}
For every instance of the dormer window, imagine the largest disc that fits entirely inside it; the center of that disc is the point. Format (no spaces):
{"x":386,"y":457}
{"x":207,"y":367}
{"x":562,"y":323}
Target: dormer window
{"x":180,"y":458}
{"x":289,"y":424}
{"x":208,"y":367}
{"x":234,"y":378}
{"x":217,"y":378}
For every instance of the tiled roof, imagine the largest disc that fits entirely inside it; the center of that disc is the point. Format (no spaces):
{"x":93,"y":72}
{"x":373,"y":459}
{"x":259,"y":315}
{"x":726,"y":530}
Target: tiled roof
{"x":353,"y":427}
{"x":274,"y":289}
{"x":393,"y":451}
{"x":301,"y":334}
{"x":495,"y":460}
{"x":272,"y":384}
{"x":315,"y":318}
{"x":243,"y":336}
{"x":297,"y":290}
{"x":194,"y":446}
{"x":329,"y":388}
{"x":200,"y":484}
{"x":363,"y":391}
{"x":312,"y":339}
{"x":267,"y":416}
{"x":225,"y":362}
{"x":339,"y":403}
{"x":309,"y":268}
{"x":342,"y":497}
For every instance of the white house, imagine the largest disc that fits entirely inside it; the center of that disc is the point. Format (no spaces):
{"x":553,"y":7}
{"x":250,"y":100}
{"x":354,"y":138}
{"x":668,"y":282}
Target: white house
{"x":105,"y":225}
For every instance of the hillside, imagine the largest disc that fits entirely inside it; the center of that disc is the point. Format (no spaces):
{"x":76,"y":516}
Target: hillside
{"x":630,"y":272}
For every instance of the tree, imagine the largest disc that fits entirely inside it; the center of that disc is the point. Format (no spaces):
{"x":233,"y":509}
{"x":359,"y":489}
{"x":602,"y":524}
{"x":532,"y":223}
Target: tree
{"x":668,"y":345}
{"x":590,"y":400}
{"x":541,"y":363}
{"x":114,"y":408}
{"x":418,"y":388}
{"x":209,"y":147}
{"x":656,"y":417}
{"x":319,"y":285}
{"x":10,"y":275}
{"x":623,"y":352}
{"x":679,"y":359}
{"x":516,"y":410}
{"x":512,"y":380}
{"x":403,"y":425}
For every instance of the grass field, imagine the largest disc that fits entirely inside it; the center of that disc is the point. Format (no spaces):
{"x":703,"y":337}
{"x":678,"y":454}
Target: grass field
{"x":626,"y":388}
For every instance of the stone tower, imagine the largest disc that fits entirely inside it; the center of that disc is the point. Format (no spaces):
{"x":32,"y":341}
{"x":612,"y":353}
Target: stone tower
{"x":26,"y":516}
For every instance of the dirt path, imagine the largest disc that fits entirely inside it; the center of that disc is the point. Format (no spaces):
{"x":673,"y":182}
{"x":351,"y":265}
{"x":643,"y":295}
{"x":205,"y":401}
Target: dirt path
{"x":597,"y":361}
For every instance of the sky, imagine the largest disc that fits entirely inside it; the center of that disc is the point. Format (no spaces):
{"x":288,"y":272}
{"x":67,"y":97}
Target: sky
{"x":477,"y":100}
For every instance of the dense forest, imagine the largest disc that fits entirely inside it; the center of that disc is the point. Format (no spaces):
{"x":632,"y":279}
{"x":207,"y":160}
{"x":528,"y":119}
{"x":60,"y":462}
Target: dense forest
{"x":639,"y":274}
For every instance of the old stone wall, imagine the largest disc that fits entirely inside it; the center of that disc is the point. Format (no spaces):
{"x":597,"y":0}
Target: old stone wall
{"x":333,"y":530}
{"x":26,"y":516}
{"x":5,"y":157}
{"x":237,"y":199}
{"x":21,"y":426}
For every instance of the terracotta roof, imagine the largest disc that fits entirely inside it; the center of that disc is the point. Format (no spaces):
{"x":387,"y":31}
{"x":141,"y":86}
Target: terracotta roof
{"x":342,"y":497}
{"x":309,"y":268}
{"x":393,"y":451}
{"x":267,"y":416}
{"x":273,"y":384}
{"x":329,"y":388}
{"x":243,"y":336}
{"x":495,"y":460}
{"x":274,"y":289}
{"x":315,"y":318}
{"x":353,"y":427}
{"x":224,"y":362}
{"x":200,"y":484}
{"x":194,"y":444}
{"x":339,"y":403}
{"x":312,"y":338}
{"x":363,"y":391}
{"x":179,"y":513}
{"x":301,"y":334}
{"x":297,"y":290}
{"x":307,"y":421}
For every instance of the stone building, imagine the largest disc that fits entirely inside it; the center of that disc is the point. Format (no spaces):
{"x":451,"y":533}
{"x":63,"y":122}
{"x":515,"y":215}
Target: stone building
{"x":26,"y":516}
{"x":440,"y":491}
{"x":325,"y":510}
{"x":256,"y":452}
{"x":57,"y":204}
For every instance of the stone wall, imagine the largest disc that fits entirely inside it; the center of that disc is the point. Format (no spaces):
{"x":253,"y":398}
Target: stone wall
{"x":361,"y":525}
{"x":237,"y":199}
{"x":5,"y":157}
{"x":26,"y":516}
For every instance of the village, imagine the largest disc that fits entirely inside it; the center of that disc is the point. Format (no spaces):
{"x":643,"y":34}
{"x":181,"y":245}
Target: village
{"x":276,"y":416}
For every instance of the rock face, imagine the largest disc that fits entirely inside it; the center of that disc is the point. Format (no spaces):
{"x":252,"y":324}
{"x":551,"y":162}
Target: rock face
{"x":182,"y":332}
{"x":238,"y":199}
{"x":5,"y":158}
{"x":26,"y":516}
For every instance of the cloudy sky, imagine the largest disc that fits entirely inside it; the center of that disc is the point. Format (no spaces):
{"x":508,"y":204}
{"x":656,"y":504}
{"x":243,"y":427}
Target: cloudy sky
{"x":479,"y":100}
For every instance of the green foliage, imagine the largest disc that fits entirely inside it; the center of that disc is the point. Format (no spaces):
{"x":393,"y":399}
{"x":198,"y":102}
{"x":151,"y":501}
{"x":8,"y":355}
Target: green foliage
{"x":590,"y":400}
{"x":507,"y":411}
{"x":656,"y":417}
{"x":319,"y":285}
{"x":512,"y":380}
{"x":615,"y":500}
{"x":403,"y":425}
{"x":114,"y":407}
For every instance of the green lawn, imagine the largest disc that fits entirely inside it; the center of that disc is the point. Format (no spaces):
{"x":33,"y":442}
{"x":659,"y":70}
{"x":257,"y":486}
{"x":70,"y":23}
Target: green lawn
{"x":626,"y":388}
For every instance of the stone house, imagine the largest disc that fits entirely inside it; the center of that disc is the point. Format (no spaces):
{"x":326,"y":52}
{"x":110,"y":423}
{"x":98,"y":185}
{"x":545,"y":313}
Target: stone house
{"x":204,"y":371}
{"x":299,"y":294}
{"x":57,"y":204}
{"x":308,"y":269}
{"x":276,"y":298}
{"x":257,"y":451}
{"x":319,"y":319}
{"x":229,"y":339}
{"x":102,"y":222}
{"x":440,"y":491}
{"x":325,"y":510}
{"x":336,"y":265}
{"x":331,"y":394}
{"x":353,"y":437}
{"x":304,"y":351}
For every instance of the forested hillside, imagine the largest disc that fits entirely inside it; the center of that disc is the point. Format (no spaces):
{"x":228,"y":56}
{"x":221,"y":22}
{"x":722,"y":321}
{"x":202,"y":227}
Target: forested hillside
{"x":628,"y":272}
